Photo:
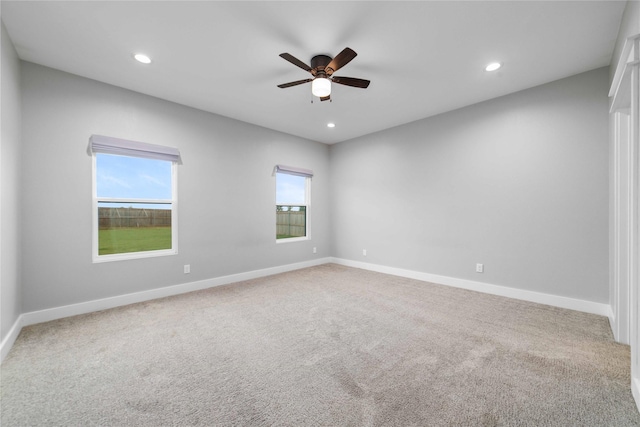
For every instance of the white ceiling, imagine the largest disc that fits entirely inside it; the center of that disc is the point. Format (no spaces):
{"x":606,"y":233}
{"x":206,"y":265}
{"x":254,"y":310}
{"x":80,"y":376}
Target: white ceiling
{"x":423,"y":58}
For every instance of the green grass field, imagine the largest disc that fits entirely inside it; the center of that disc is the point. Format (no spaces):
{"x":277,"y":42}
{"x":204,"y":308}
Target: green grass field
{"x":284,"y":236}
{"x":124,"y":240}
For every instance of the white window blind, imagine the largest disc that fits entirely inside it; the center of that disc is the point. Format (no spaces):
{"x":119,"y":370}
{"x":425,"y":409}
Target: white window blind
{"x":294,"y":171}
{"x":123,"y":147}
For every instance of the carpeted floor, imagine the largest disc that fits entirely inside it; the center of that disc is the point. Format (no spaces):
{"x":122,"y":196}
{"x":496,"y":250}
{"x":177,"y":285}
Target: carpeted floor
{"x":323,"y":346}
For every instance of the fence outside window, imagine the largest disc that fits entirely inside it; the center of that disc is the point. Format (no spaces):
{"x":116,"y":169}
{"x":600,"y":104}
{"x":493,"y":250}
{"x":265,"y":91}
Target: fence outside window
{"x":133,"y":217}
{"x":291,"y":221}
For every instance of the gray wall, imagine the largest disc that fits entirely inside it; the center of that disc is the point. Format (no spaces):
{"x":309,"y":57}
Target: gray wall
{"x":518,"y":183}
{"x":10,"y":296}
{"x":226,"y":191}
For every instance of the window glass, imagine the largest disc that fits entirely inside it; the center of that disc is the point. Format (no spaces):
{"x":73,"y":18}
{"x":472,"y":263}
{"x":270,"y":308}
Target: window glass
{"x":290,"y":189}
{"x":132,"y":177}
{"x":135,"y":207}
{"x":292,"y":200}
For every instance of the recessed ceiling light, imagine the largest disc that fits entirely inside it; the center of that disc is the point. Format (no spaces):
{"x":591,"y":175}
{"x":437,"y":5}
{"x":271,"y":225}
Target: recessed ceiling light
{"x":331,"y":125}
{"x":142,"y":58}
{"x":493,"y":66}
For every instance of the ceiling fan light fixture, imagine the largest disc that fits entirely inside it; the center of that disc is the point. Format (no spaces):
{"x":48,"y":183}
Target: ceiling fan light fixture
{"x":321,"y":87}
{"x":322,"y":69}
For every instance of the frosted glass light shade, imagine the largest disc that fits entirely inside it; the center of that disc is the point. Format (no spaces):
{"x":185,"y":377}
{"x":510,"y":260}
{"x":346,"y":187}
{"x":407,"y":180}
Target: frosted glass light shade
{"x":321,"y":87}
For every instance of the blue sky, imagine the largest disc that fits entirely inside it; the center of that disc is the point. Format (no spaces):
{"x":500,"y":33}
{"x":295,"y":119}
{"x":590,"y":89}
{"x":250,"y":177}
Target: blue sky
{"x":132,"y":178}
{"x":289,"y":189}
{"x":137,"y":178}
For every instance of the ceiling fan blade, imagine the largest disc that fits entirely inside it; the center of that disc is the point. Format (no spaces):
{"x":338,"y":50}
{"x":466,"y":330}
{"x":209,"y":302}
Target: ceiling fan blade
{"x":325,"y":98}
{"x":295,"y":61}
{"x":296,"y":83}
{"x":341,"y":59}
{"x":351,"y":81}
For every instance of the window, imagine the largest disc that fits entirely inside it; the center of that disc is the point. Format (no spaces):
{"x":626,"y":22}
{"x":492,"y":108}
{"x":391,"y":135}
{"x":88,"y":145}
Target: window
{"x":292,"y":203}
{"x":134,"y":199}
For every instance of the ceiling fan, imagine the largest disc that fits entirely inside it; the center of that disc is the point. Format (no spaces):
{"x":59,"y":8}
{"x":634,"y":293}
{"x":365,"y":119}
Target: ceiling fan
{"x":322,"y":69}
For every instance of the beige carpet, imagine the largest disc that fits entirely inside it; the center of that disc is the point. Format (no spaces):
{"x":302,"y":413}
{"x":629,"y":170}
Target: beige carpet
{"x":324,"y":346}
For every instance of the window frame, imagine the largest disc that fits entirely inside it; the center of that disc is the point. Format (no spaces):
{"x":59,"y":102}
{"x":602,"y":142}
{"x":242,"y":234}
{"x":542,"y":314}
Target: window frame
{"x":97,"y":258}
{"x":306,"y":204}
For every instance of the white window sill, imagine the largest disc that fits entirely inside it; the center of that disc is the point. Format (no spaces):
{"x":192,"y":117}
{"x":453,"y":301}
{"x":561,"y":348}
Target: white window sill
{"x":133,"y":255}
{"x":293,"y":239}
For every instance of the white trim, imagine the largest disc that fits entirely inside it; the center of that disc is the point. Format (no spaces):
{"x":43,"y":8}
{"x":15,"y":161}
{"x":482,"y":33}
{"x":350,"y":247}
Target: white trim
{"x":134,"y":255}
{"x":635,"y":391}
{"x":520,"y":294}
{"x":292,"y":239}
{"x":95,"y":234}
{"x":124,"y":200}
{"x":614,"y":217}
{"x":612,"y":320}
{"x":625,"y":295}
{"x":11,"y":337}
{"x":634,"y":215}
{"x":96,"y":257}
{"x":626,"y":58}
{"x":307,"y":207}
{"x":174,"y":207}
{"x":46,"y":315}
{"x":620,"y":210}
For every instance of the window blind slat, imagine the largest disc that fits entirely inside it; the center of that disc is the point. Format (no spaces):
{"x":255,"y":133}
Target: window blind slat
{"x":123,"y":147}
{"x":294,"y":171}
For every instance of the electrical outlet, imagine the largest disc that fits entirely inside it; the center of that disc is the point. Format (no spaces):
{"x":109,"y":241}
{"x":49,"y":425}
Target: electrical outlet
{"x":479,"y":268}
{"x":364,"y":252}
{"x":187,"y":268}
{"x":315,"y":251}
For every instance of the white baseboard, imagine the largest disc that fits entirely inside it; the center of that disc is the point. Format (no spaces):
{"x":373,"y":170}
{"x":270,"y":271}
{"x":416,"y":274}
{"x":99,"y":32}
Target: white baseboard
{"x":46,"y":315}
{"x":620,"y":331}
{"x":521,"y":294}
{"x":120,"y":300}
{"x":49,"y":314}
{"x":613,"y":325}
{"x":11,"y":337}
{"x":635,"y":391}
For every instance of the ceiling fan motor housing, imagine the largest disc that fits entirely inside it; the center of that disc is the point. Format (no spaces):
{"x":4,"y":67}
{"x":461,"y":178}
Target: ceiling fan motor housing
{"x":319,"y":63}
